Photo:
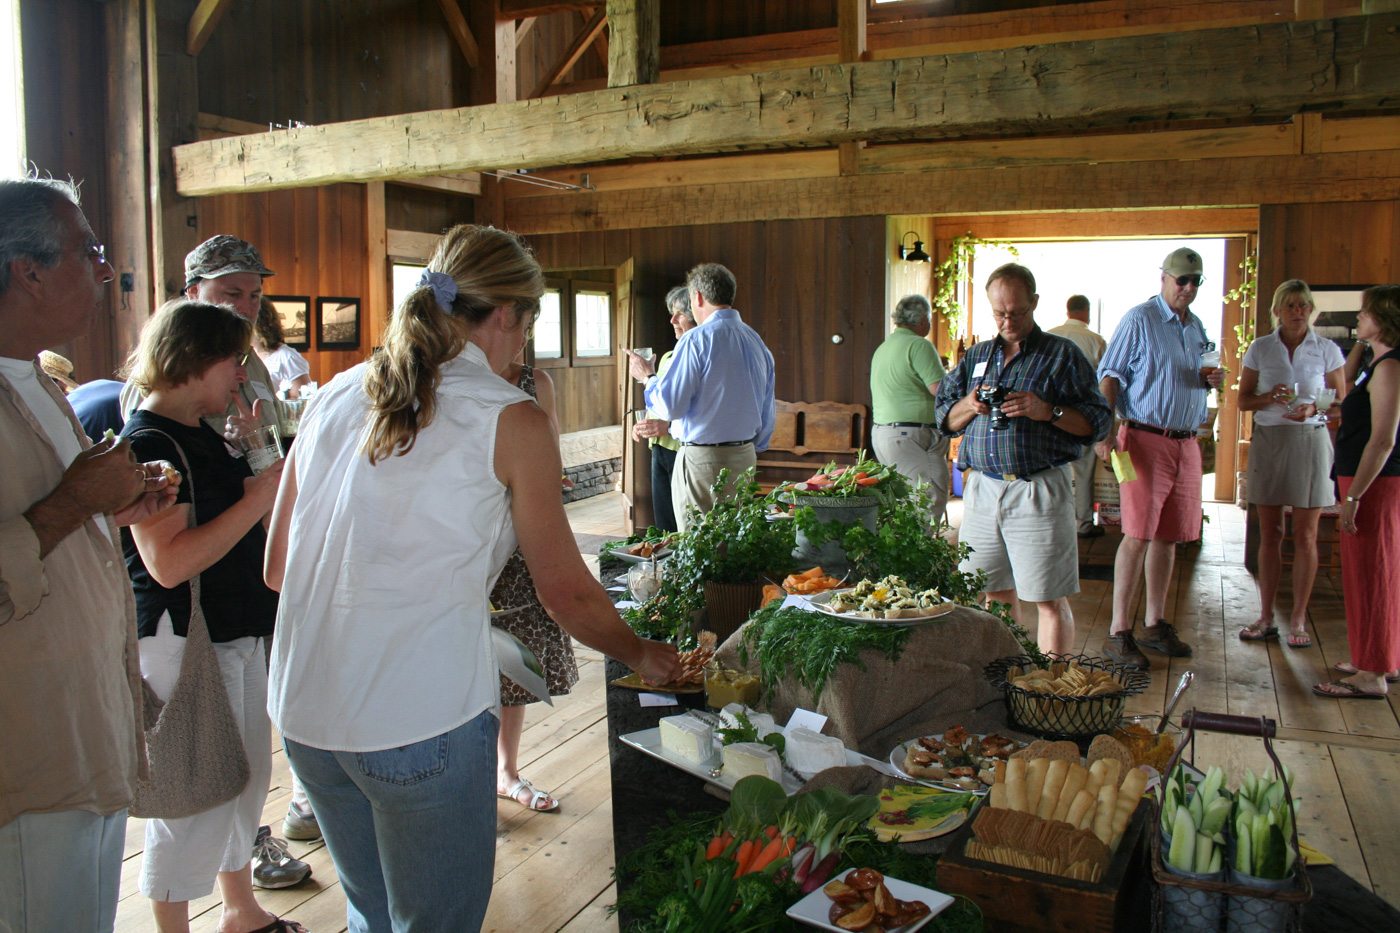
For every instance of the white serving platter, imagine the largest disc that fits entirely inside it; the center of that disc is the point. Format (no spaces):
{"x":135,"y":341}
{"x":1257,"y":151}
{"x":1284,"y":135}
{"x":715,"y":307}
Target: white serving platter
{"x":815,"y":908}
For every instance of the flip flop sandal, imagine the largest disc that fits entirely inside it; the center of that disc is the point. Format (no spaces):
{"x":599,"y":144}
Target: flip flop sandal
{"x":1346,"y":667}
{"x":278,"y":925}
{"x":1299,"y":640}
{"x":537,"y":797}
{"x":1341,"y":690}
{"x":1254,"y":633}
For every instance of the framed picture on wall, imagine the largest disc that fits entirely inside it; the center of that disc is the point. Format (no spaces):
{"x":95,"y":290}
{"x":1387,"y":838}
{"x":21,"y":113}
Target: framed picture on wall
{"x":294,"y":312}
{"x":1337,"y":307}
{"x":337,"y":323}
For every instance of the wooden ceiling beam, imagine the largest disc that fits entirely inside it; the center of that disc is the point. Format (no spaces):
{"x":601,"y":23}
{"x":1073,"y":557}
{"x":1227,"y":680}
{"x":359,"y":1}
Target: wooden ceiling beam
{"x":1223,"y":74}
{"x":520,"y":9}
{"x":522,"y":29}
{"x":633,"y":54}
{"x":582,"y":41}
{"x":461,"y":32}
{"x":1165,"y":183}
{"x":203,"y":21}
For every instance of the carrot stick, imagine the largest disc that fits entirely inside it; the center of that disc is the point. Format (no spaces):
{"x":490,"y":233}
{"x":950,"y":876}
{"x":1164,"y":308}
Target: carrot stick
{"x":744,"y":856}
{"x":716,"y":846}
{"x":768,"y":854}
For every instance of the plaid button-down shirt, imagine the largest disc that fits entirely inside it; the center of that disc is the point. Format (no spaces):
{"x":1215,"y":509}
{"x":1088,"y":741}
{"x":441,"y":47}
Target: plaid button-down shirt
{"x":1049,"y":366}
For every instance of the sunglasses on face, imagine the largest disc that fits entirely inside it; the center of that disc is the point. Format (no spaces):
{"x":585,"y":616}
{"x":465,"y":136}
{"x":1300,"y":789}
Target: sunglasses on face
{"x":1184,"y":280}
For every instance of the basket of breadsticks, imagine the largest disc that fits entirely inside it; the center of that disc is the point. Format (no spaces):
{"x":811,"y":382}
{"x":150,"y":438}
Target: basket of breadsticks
{"x":1073,"y":697}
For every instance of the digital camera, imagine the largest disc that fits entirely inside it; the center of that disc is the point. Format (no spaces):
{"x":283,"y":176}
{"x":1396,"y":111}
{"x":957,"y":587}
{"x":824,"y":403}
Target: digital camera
{"x":994,"y":396}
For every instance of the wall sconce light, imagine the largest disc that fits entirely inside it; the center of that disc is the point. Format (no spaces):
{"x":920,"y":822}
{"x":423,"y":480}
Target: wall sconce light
{"x":916,"y":254}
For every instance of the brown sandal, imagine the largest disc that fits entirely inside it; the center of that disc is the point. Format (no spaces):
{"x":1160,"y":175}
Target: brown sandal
{"x":278,"y":925}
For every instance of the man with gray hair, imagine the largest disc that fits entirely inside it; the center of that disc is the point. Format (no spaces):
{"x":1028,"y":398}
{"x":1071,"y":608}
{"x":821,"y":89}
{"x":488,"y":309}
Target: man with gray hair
{"x":1076,"y":330}
{"x":656,"y":431}
{"x":904,"y":376}
{"x":718,"y":392}
{"x":70,"y":681}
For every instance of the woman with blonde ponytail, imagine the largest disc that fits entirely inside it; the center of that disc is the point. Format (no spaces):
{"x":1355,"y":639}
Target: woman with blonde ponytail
{"x":413,"y":478}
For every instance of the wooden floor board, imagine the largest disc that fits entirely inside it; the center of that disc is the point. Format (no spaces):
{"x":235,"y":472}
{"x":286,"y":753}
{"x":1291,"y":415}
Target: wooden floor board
{"x":553,"y":870}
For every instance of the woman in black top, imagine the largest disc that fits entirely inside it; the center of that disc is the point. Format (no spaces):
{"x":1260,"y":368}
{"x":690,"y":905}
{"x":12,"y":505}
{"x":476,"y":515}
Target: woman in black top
{"x":1368,"y":474}
{"x":189,"y":364}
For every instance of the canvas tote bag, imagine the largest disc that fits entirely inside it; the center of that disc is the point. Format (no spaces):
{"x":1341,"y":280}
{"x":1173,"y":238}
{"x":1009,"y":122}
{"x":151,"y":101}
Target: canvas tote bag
{"x":192,"y":740}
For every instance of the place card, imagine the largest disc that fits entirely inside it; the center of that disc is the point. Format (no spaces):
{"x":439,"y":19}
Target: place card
{"x":657,"y":699}
{"x":805,"y":719}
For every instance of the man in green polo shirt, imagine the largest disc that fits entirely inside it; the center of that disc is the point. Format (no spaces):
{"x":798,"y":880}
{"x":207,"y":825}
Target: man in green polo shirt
{"x":904,"y":377}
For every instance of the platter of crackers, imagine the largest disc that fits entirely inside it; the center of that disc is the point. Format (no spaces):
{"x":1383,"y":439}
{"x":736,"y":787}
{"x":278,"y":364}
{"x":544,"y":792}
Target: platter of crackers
{"x":1076,"y":696}
{"x":1056,"y":813}
{"x":955,"y":760}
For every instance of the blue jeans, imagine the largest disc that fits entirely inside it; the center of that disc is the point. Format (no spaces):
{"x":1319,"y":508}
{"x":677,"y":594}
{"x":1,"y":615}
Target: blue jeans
{"x":412,"y":830}
{"x":61,"y":871}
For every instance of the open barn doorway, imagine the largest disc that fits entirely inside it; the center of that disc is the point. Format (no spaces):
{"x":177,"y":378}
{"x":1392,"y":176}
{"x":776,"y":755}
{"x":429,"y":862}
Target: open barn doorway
{"x":1114,"y":259}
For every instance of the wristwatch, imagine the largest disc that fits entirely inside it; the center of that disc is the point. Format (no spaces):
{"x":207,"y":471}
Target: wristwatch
{"x":1056,"y":414}
{"x":1353,"y":498}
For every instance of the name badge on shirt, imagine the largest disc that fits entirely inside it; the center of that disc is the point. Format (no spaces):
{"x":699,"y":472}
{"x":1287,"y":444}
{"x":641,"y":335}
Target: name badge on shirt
{"x":979,"y":370}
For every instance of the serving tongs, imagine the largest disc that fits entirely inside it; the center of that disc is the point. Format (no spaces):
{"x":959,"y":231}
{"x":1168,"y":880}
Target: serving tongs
{"x":1180,"y":691}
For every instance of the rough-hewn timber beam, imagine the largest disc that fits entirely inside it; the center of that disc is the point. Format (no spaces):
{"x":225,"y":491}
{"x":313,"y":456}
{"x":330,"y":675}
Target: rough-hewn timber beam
{"x":1337,"y":65}
{"x":519,"y":9}
{"x":633,"y":54}
{"x":203,"y":21}
{"x":461,"y":32}
{"x":1353,"y":176}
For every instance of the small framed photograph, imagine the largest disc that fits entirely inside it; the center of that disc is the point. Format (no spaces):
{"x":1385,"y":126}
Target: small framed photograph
{"x":1337,"y":307}
{"x":338,"y":323}
{"x":294,"y":313}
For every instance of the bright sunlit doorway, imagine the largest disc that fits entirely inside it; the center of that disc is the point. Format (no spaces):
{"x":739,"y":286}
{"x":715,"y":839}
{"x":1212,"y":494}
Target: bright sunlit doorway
{"x":11,"y":91}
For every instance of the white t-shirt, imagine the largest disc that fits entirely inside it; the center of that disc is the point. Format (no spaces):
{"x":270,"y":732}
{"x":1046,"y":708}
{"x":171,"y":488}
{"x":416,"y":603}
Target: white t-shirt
{"x":285,"y":366}
{"x":54,"y":420}
{"x":1312,"y":360}
{"x":382,"y":633}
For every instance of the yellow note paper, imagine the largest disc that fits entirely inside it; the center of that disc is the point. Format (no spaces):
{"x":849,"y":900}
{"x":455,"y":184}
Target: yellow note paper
{"x":1313,"y":857}
{"x":1122,"y":465}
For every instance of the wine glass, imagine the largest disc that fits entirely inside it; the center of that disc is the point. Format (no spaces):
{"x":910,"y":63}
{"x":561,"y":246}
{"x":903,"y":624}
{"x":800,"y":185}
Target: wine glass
{"x":1325,"y":400}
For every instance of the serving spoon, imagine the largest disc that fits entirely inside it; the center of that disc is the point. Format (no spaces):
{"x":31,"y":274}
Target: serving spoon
{"x":1180,"y":691}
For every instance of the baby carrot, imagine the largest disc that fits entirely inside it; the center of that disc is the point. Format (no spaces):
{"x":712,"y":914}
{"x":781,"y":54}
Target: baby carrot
{"x":769,"y":852}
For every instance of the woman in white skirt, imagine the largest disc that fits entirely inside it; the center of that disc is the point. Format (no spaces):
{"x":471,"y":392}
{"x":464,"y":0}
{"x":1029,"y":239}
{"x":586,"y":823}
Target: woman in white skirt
{"x":1285,"y":375}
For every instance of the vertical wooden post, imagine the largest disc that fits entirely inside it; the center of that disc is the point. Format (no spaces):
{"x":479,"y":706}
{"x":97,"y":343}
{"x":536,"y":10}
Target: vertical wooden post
{"x":634,"y":46}
{"x":1228,"y":415}
{"x":377,"y":296}
{"x":127,"y":232}
{"x":493,"y":82}
{"x":173,"y":105}
{"x":851,"y":34}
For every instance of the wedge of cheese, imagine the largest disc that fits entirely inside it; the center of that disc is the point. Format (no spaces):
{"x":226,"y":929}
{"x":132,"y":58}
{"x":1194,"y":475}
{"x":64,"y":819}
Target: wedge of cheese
{"x":688,"y":738}
{"x":744,"y":758}
{"x":810,"y":752}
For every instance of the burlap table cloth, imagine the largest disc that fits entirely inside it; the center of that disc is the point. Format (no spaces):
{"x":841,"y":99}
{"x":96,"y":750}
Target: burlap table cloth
{"x":936,"y":683}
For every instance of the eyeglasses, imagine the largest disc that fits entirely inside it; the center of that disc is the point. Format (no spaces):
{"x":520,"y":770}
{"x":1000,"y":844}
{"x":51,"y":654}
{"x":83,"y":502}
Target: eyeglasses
{"x":1184,"y":280}
{"x":95,"y":251}
{"x":1010,"y":315}
{"x":243,"y":360}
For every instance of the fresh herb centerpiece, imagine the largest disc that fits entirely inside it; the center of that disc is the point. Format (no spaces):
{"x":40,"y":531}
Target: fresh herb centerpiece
{"x":732,"y":543}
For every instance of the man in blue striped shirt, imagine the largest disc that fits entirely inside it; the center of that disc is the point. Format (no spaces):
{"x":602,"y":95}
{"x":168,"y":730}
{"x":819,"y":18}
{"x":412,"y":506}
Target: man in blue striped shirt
{"x":1018,"y":504}
{"x":1153,"y":376}
{"x":717,"y":393}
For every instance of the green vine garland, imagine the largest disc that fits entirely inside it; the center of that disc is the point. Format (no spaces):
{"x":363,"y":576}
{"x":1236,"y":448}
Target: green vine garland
{"x":1247,"y":294}
{"x":952,"y":271}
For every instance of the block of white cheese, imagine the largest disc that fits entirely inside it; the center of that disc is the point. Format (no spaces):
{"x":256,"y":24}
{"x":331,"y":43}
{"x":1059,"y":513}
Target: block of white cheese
{"x":809,"y":752}
{"x":762,"y":723}
{"x":744,"y":758}
{"x":688,"y":738}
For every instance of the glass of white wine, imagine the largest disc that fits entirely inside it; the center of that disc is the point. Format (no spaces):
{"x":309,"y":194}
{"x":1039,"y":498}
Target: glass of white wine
{"x":1326,"y":398}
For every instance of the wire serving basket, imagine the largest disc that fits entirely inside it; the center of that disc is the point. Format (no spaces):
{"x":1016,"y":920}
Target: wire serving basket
{"x":1064,"y":715}
{"x":1194,"y":903}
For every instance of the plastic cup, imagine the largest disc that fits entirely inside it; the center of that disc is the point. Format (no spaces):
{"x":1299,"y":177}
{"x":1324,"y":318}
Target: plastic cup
{"x":262,"y":447}
{"x":644,"y":352}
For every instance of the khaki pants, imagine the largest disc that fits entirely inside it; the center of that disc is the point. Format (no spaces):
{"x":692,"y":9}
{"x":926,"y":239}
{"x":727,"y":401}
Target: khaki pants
{"x":919,"y":454}
{"x":695,"y":472}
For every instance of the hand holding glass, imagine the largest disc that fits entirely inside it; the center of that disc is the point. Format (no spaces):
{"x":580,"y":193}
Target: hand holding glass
{"x":1326,"y":398}
{"x":261,"y":446}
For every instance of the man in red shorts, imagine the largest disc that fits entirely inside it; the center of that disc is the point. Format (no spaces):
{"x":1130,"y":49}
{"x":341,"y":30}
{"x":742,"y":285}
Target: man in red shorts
{"x":1153,"y":378}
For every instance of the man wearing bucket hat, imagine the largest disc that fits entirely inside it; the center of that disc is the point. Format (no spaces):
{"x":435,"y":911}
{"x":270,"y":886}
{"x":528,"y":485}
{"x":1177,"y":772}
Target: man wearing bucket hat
{"x":225,"y":270}
{"x":1153,"y":376}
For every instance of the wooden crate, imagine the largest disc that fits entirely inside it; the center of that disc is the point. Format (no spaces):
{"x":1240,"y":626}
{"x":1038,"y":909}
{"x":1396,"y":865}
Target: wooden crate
{"x":1015,"y":900}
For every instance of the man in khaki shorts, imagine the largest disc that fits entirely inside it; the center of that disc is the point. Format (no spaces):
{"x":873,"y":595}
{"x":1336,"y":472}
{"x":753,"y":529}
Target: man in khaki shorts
{"x":1026,"y":403}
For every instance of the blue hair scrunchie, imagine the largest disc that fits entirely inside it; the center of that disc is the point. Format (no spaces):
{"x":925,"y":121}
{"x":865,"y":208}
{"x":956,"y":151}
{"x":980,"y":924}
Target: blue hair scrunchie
{"x":443,"y":285}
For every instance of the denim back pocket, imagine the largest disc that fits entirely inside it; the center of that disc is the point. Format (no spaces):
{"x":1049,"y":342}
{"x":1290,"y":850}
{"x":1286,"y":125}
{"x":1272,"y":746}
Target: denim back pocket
{"x":407,"y":764}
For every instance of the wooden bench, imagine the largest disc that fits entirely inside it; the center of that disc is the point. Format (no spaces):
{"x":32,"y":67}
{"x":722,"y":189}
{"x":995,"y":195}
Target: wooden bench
{"x":808,"y":435}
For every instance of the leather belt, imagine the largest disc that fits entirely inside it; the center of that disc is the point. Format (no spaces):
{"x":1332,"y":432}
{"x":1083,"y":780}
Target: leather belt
{"x":1164,"y":432}
{"x":1010,"y":477}
{"x":903,"y":424}
{"x":720,"y":444}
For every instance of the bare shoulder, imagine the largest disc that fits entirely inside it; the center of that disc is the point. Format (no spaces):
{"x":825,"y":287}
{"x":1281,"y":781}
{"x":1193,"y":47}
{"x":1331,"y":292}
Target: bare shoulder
{"x":543,"y":380}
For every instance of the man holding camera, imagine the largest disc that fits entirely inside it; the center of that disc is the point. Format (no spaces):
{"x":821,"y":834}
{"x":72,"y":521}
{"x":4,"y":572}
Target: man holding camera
{"x":1026,"y":403}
